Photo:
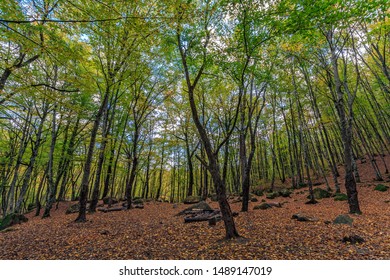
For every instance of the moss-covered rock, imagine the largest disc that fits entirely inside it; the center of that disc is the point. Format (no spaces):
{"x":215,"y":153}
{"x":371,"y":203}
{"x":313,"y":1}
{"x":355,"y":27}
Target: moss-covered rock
{"x":110,"y":200}
{"x":192,"y":199}
{"x":304,"y":218}
{"x":340,"y":197}
{"x":381,"y":188}
{"x":199,"y":206}
{"x":138,"y":201}
{"x":320,"y":193}
{"x":262,"y":206}
{"x":285,"y":192}
{"x":258,"y":192}
{"x":12,"y":219}
{"x":73,"y":209}
{"x":343,"y":219}
{"x":271,"y":195}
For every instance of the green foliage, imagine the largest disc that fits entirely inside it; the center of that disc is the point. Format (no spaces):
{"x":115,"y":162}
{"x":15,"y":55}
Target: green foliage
{"x":381,"y":188}
{"x":341,"y":197}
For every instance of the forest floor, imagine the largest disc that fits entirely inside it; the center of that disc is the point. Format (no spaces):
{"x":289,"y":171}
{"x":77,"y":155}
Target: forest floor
{"x":156,"y":233}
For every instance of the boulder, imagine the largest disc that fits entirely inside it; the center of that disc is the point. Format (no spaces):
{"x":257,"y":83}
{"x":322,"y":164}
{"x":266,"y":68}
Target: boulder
{"x":343,"y":219}
{"x":12,"y":219}
{"x":320,"y":193}
{"x":271,"y":195}
{"x":137,"y":201}
{"x":285,"y":192}
{"x":254,"y":199}
{"x":75,"y":208}
{"x":262,"y":206}
{"x":303,"y":218}
{"x":199,"y":206}
{"x":266,"y":205}
{"x":258,"y":192}
{"x":192,"y":199}
{"x":110,"y":200}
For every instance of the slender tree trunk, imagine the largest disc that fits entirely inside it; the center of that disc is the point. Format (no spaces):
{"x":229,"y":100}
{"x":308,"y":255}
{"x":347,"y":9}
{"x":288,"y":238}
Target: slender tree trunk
{"x":88,"y":163}
{"x":346,"y":134}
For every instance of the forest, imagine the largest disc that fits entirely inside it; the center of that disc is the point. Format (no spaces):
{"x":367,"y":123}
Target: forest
{"x":124,"y":113}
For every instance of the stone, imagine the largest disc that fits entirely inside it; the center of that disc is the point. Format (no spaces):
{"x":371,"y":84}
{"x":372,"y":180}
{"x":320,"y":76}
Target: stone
{"x":343,"y":219}
{"x":303,"y":218}
{"x":75,"y":208}
{"x":262,"y":206}
{"x":271,"y":195}
{"x":285,"y":193}
{"x":199,"y":206}
{"x":137,"y":201}
{"x":192,"y":199}
{"x":110,"y":200}
{"x":320,"y":193}
{"x":265,"y":205}
{"x":258,"y":192}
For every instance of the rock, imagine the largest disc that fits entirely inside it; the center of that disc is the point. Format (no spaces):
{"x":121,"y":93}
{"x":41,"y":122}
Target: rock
{"x":254,"y":199}
{"x":192,"y":199}
{"x":134,"y":205}
{"x":268,"y":205}
{"x":303,"y":218}
{"x":340,"y":197}
{"x":271,"y":195}
{"x":353,"y":239}
{"x":262,"y":206}
{"x":258,"y":192}
{"x":12,"y":219}
{"x":73,"y":209}
{"x":381,"y":188}
{"x":137,"y":201}
{"x":285,"y":192}
{"x":320,"y":193}
{"x":110,"y":200}
{"x":199,"y":206}
{"x":343,"y":219}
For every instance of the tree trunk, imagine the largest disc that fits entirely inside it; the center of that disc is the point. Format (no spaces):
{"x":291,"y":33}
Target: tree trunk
{"x":88,"y":163}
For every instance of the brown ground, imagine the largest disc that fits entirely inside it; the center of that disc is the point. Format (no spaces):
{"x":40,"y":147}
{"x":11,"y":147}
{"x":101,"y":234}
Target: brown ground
{"x":155,"y":233}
